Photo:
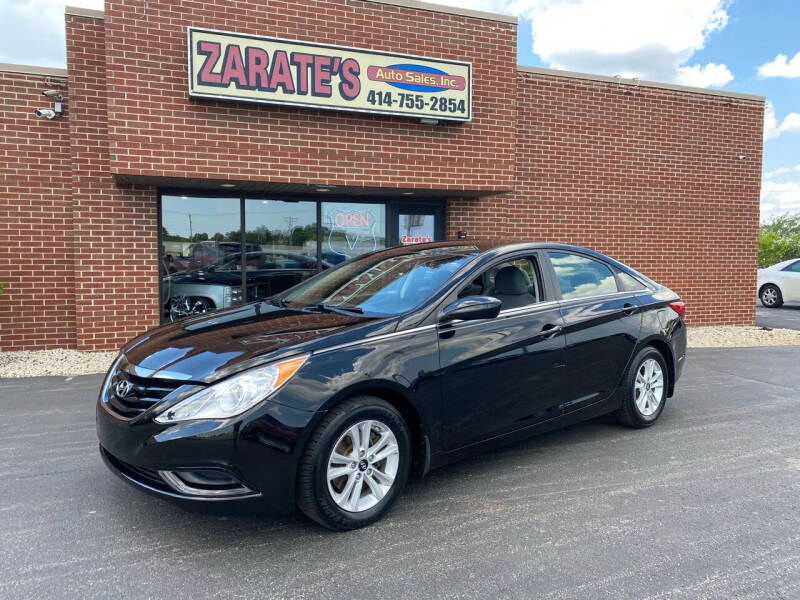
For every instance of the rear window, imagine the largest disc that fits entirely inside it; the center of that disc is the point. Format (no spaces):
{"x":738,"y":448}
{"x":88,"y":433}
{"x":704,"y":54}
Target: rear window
{"x":581,"y":277}
{"x":629,"y":283}
{"x":794,"y":267}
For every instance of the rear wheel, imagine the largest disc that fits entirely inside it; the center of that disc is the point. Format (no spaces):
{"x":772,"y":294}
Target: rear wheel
{"x":355,"y":464}
{"x":646,"y":389}
{"x":771,"y":296}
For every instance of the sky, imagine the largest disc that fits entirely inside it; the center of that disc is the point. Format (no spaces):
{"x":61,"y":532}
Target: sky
{"x":750,"y":46}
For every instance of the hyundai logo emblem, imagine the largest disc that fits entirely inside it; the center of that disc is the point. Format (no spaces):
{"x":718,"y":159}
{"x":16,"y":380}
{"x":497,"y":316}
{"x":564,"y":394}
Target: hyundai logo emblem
{"x":123,"y":388}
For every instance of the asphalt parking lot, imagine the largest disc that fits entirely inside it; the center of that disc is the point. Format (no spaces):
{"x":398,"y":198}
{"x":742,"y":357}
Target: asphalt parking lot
{"x":785,"y":317}
{"x":706,"y":504}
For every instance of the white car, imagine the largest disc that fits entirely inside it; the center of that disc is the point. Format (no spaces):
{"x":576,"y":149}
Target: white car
{"x":779,"y":283}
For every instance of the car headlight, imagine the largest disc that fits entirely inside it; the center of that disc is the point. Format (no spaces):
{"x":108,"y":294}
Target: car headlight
{"x":234,"y":395}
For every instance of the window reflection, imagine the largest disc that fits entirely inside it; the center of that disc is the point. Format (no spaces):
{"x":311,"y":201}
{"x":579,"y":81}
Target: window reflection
{"x":580,"y":277}
{"x":284,"y":240}
{"x":198,"y":236}
{"x":204,"y":266}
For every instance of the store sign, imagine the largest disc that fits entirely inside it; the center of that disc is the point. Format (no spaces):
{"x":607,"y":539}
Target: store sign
{"x":250,"y":68}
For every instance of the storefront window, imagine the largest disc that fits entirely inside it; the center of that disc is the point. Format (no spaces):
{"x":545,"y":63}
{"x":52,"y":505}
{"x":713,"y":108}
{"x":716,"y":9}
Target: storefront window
{"x":286,"y":241}
{"x":199,"y":236}
{"x":350,"y":229}
{"x":281,"y":245}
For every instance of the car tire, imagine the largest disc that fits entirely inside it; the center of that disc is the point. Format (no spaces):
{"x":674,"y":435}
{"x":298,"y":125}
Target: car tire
{"x":645,"y":390}
{"x":770,"y":296}
{"x":362,"y":494}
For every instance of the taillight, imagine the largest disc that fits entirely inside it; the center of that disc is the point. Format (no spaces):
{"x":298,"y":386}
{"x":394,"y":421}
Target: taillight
{"x":679,"y":307}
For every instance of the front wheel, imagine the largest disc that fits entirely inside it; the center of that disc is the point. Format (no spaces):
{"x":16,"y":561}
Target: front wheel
{"x":355,"y":465}
{"x":646,"y":389}
{"x":771,"y":296}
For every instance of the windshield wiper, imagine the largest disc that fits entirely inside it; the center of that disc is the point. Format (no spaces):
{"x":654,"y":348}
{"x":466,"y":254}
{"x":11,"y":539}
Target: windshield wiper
{"x":329,"y":308}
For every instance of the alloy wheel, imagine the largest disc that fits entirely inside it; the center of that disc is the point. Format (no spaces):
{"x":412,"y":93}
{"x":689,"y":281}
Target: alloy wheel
{"x":769,"y":296}
{"x":362,"y":466}
{"x":649,"y":387}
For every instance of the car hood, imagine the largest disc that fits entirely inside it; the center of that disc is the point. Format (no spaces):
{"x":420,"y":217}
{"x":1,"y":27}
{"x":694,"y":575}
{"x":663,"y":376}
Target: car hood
{"x":220,"y":343}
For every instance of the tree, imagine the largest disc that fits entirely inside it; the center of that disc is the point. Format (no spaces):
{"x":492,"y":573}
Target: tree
{"x":778,"y":240}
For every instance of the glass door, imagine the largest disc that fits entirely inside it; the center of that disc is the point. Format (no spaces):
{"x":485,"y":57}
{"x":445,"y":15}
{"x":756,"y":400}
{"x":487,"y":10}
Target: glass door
{"x":417,"y":224}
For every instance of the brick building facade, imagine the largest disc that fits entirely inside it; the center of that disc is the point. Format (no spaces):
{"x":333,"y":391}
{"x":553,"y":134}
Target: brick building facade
{"x":662,"y":177}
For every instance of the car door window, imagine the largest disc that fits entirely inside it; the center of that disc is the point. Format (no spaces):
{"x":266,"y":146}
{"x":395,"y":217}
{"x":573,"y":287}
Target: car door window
{"x":515,"y":283}
{"x":581,"y":277}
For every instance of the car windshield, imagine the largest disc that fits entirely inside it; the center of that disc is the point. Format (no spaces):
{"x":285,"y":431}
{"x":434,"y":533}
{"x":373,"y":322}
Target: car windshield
{"x":382,"y":284}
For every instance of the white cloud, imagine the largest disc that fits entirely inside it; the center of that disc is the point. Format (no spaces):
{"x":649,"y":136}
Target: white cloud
{"x":649,"y":39}
{"x":32,"y":31}
{"x":790,"y":123}
{"x":770,"y":121}
{"x":779,"y":198}
{"x":781,"y":67}
{"x":712,"y":74}
{"x":781,"y":171}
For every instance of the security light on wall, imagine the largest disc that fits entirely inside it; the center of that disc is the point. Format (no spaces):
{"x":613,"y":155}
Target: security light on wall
{"x":51,"y":113}
{"x":45,"y":113}
{"x":54,"y":94}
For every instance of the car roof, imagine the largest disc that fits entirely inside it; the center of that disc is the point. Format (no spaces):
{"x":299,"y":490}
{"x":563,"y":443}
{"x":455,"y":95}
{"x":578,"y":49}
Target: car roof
{"x":488,"y":249}
{"x":492,"y":246}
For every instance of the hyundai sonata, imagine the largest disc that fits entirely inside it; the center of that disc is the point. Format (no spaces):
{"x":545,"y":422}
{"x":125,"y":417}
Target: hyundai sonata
{"x":329,"y":395}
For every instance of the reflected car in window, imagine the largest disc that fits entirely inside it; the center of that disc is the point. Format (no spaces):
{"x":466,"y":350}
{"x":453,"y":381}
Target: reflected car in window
{"x":326,"y":397}
{"x":203,"y":254}
{"x":220,"y":285}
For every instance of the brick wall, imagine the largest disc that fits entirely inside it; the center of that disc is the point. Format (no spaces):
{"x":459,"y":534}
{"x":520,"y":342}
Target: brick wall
{"x":156,"y":130}
{"x":116,"y":227}
{"x":37,"y":306}
{"x":649,"y":176}
{"x":652,"y":176}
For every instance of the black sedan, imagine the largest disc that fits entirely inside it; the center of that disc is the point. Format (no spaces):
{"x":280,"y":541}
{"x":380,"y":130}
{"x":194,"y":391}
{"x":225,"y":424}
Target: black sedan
{"x":329,"y":395}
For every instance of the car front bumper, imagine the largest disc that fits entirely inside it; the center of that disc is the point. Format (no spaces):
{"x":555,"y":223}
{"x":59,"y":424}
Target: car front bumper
{"x":255,"y":459}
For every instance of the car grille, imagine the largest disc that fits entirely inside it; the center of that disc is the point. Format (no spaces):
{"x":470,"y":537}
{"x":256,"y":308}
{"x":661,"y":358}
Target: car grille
{"x":142,"y":393}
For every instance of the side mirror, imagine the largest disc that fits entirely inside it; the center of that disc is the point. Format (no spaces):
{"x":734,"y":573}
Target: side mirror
{"x":471,"y":308}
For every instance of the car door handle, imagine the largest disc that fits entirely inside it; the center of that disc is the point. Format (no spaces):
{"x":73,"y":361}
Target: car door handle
{"x":629,"y":308}
{"x":549,"y":331}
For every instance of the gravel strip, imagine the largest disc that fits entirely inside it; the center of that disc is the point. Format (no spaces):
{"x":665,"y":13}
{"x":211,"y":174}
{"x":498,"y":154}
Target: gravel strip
{"x":65,"y":363}
{"x":731,"y":336}
{"x":68,"y":363}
